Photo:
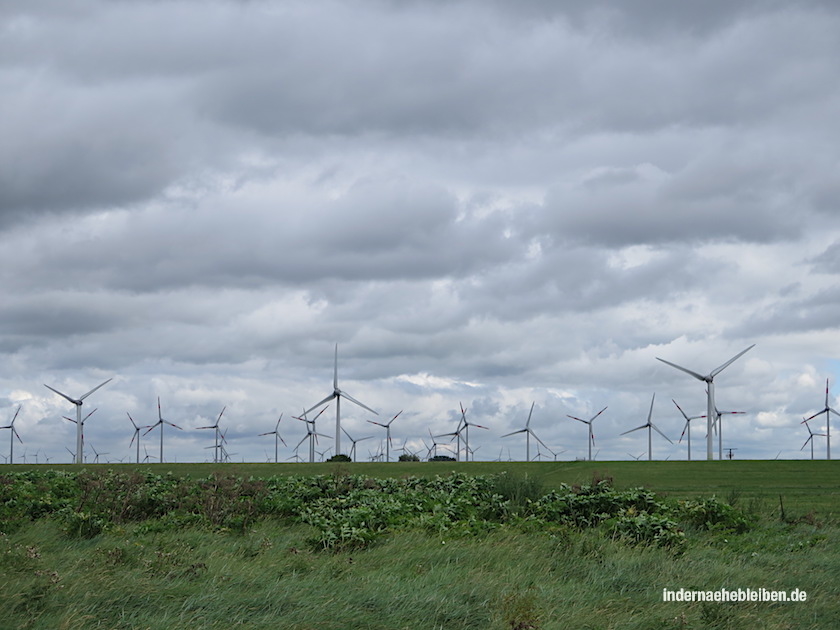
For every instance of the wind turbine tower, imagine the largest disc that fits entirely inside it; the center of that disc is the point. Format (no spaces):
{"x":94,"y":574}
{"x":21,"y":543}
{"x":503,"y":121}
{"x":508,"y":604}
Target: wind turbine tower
{"x":589,"y":423}
{"x":827,"y":411}
{"x":338,"y":395}
{"x":78,"y":402}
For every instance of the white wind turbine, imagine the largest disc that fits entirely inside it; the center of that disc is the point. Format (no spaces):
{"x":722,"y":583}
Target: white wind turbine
{"x":136,"y":435}
{"x":12,"y":435}
{"x":649,"y":425}
{"x":277,"y":436}
{"x":354,"y":442}
{"x":311,"y":434}
{"x":810,"y":439}
{"x":709,"y":379}
{"x":827,"y":411}
{"x":338,"y":395}
{"x":589,"y":422}
{"x":215,"y":427}
{"x":78,"y":402}
{"x":387,"y":434}
{"x":528,"y":433}
{"x":687,"y":426}
{"x":160,"y":423}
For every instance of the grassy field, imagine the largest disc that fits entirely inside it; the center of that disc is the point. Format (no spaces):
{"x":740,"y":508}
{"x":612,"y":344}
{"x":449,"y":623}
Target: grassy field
{"x":515,"y":576}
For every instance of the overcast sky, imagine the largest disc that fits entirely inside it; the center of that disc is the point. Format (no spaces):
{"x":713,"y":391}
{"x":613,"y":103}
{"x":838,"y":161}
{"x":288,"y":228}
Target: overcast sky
{"x":485,"y":203}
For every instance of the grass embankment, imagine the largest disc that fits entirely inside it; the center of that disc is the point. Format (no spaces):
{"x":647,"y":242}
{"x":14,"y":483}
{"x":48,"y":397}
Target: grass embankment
{"x":512,"y":567}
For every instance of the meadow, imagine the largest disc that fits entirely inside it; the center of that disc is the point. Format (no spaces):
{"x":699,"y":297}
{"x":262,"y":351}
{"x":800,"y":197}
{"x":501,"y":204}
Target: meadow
{"x":480,"y":545}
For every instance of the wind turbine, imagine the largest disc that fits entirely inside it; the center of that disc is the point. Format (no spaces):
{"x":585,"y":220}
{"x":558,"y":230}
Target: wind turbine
{"x":709,"y":379}
{"x":12,"y":435}
{"x":353,"y":442}
{"x":718,"y":425}
{"x":456,"y":434}
{"x":432,"y":450}
{"x":338,"y":395}
{"x":810,"y":437}
{"x":591,"y":438}
{"x":466,"y":428}
{"x":277,"y":436}
{"x":78,"y":402}
{"x":161,"y":422}
{"x":528,"y":433}
{"x":215,"y":427}
{"x":636,"y":457}
{"x":827,"y":411}
{"x":136,"y":435}
{"x":97,"y":454}
{"x":649,"y":425}
{"x":311,"y":434}
{"x":687,"y":426}
{"x":387,"y":434}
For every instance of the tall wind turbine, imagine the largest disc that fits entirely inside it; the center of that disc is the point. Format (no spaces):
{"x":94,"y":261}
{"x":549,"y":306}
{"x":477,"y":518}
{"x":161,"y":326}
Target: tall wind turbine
{"x":78,"y":402}
{"x":709,"y":379}
{"x":338,"y":395}
{"x":528,"y":433}
{"x":387,"y":435}
{"x":12,"y":435}
{"x":589,"y":422}
{"x":827,"y":411}
{"x":277,"y":436}
{"x":810,"y":439}
{"x":687,"y":426}
{"x":215,"y":427}
{"x":353,"y":442}
{"x":160,"y":423}
{"x":649,"y":425}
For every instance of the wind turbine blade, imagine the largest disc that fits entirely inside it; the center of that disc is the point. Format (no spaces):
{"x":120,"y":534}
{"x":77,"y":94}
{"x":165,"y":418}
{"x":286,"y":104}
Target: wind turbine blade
{"x":94,"y":389}
{"x":326,"y":400}
{"x":378,"y":423}
{"x":301,"y":441}
{"x":160,"y":417}
{"x":718,"y":370}
{"x":353,"y":400}
{"x":834,"y":412}
{"x":335,"y":371}
{"x":819,"y":413}
{"x":683,"y":431}
{"x":578,"y":419}
{"x":655,"y":428}
{"x":540,"y":441}
{"x":72,"y":400}
{"x":16,"y":434}
{"x":132,"y":420}
{"x":644,"y":426}
{"x":650,"y":413}
{"x":394,"y":418}
{"x":18,"y":411}
{"x":681,"y":411}
{"x":598,"y":414}
{"x":528,"y":423}
{"x":515,"y":432}
{"x":686,"y":370}
{"x":810,"y":437}
{"x":479,"y":426}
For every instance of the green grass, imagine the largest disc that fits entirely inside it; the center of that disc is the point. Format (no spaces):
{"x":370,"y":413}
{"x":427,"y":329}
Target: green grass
{"x":512,"y":577}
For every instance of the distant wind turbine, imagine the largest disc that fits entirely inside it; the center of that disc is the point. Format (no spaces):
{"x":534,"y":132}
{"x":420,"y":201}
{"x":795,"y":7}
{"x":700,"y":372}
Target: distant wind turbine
{"x":687,"y":426}
{"x":83,"y":425}
{"x":160,"y":423}
{"x":78,"y":402}
{"x":311,"y":433}
{"x":354,"y":442}
{"x":277,"y":436}
{"x":387,"y":427}
{"x":215,"y":427}
{"x":528,"y":433}
{"x":591,"y":438}
{"x":827,"y":411}
{"x":718,"y":426}
{"x":810,"y":439}
{"x":12,"y":435}
{"x":466,"y":428}
{"x":709,"y":379}
{"x":338,"y":395}
{"x":136,"y":435}
{"x":649,"y":425}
